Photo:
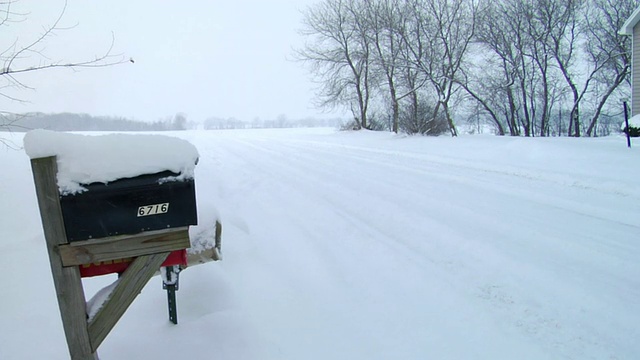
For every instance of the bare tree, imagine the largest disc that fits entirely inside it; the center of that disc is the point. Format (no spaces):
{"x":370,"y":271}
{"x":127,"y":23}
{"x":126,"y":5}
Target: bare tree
{"x":22,"y":57}
{"x":524,"y":64}
{"x":537,"y":45}
{"x":604,"y":59}
{"x":389,"y":23}
{"x":543,"y":19}
{"x":443,"y":33}
{"x":607,"y":50}
{"x":499,"y":81}
{"x":179,"y":122}
{"x":560,"y":22}
{"x":384,"y":17}
{"x":338,"y":52}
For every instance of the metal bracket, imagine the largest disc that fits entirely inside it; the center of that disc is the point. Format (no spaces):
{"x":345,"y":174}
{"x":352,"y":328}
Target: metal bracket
{"x":170,"y":280}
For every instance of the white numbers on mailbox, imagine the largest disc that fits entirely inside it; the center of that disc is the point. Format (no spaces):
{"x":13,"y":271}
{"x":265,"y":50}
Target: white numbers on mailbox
{"x":155,"y":209}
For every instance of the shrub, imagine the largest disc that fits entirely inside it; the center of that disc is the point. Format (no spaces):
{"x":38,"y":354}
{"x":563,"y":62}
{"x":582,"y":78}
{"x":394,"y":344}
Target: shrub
{"x":633,"y":131}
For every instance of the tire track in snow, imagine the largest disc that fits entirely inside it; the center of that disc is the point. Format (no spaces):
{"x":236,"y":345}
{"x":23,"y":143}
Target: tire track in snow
{"x":481,"y":177}
{"x":530,"y":320}
{"x":330,"y":176}
{"x":333,"y":256}
{"x":467,"y":166}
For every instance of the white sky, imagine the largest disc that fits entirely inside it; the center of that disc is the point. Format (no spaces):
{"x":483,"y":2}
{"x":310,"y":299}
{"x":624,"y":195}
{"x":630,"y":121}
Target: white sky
{"x":203,"y":58}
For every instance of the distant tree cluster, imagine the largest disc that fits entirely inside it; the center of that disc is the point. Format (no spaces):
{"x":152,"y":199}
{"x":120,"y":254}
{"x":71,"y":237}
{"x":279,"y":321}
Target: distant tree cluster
{"x":85,"y":122}
{"x":280,"y":122}
{"x":526,"y":67}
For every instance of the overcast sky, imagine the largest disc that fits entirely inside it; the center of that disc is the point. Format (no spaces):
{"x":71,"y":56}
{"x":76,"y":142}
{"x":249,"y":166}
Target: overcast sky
{"x":203,"y":58}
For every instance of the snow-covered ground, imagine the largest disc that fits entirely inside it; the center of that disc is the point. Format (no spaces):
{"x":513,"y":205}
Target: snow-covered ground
{"x":360,"y":245}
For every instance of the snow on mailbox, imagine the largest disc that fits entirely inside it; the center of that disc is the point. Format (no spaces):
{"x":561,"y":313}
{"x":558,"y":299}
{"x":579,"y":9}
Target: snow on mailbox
{"x":111,"y":203}
{"x":119,"y":184}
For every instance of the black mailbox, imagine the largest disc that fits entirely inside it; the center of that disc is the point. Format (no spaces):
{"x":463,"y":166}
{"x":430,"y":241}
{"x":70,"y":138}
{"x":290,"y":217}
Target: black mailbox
{"x":129,"y":206}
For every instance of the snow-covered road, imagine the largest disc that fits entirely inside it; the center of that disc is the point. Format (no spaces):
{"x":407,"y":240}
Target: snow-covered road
{"x":373,"y":246}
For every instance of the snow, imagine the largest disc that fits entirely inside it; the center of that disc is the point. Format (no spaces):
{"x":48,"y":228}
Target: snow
{"x":99,"y":299}
{"x":202,"y":237}
{"x":362,"y":245}
{"x":170,"y":278}
{"x":84,"y":159}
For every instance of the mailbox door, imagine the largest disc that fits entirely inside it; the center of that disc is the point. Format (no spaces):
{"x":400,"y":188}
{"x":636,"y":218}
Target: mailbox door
{"x":129,"y":206}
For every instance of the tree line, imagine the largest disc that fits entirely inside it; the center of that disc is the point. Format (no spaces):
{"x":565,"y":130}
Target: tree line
{"x":524,"y":67}
{"x":280,"y":122}
{"x":85,"y":122}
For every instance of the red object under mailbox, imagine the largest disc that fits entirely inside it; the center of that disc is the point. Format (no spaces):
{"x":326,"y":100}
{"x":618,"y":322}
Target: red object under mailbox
{"x":178,"y":257}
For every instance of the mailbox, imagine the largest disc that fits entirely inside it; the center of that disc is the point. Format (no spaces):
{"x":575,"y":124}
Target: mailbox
{"x":129,"y":206}
{"x":131,"y":218}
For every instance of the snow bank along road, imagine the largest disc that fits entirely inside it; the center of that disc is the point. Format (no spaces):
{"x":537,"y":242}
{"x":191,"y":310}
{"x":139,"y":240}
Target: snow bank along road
{"x":374,"y":246}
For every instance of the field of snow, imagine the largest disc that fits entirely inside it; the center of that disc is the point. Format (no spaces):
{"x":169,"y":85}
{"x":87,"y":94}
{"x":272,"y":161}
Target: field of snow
{"x":361,"y":245}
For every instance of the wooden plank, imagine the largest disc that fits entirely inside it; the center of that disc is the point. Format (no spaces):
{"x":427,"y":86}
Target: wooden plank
{"x":218,"y":239}
{"x":129,"y":286}
{"x":124,"y":246}
{"x":68,"y":285}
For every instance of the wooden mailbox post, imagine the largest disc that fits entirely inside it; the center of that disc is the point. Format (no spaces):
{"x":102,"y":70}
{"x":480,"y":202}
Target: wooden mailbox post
{"x":149,"y":250}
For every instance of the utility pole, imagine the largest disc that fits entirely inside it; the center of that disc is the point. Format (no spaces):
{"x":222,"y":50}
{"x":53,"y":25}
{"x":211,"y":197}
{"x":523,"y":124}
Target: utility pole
{"x":626,"y":122}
